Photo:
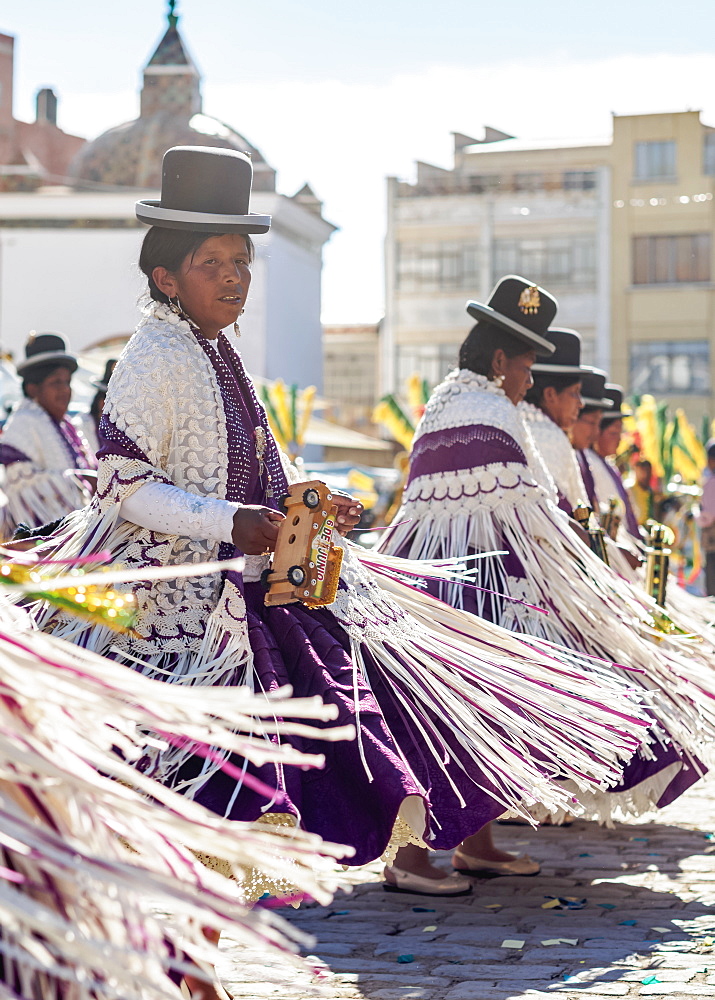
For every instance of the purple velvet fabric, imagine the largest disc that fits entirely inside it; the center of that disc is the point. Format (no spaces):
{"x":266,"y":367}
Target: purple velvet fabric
{"x":631,"y":519}
{"x":587,"y":477}
{"x":81,"y":457}
{"x":10,"y":455}
{"x":457,"y":448}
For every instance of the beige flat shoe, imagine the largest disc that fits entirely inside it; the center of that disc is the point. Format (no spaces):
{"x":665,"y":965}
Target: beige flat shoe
{"x":481,"y":868}
{"x":450,"y":885}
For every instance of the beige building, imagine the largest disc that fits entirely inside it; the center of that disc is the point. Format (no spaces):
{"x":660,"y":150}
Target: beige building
{"x":663,"y":221}
{"x":619,"y":229}
{"x":350,"y":373}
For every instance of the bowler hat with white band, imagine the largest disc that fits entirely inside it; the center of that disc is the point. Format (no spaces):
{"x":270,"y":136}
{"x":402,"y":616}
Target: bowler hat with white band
{"x":593,"y":384}
{"x":566,"y":359}
{"x":204,"y":189}
{"x":46,"y":349}
{"x":615,"y":394}
{"x":521,"y":308}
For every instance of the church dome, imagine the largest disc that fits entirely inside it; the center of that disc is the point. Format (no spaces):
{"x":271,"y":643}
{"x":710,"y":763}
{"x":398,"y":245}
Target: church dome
{"x":130,"y":155}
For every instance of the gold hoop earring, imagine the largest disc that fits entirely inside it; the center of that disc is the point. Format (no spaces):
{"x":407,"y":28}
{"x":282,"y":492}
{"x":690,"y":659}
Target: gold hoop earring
{"x":235,"y":325}
{"x":175,"y":306}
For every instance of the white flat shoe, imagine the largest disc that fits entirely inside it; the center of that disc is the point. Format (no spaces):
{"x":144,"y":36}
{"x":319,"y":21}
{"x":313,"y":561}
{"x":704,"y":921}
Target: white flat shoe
{"x":465,"y":864}
{"x":450,"y":885}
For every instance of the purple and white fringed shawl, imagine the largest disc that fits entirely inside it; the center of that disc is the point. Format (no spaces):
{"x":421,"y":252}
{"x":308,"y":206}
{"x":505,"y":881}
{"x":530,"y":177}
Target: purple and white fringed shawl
{"x":474,"y":487}
{"x":478,"y":713}
{"x":559,"y":457}
{"x":93,"y":852}
{"x":608,"y":484}
{"x":38,"y":454}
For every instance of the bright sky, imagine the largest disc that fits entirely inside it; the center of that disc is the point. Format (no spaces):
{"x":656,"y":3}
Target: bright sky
{"x":343,"y":96}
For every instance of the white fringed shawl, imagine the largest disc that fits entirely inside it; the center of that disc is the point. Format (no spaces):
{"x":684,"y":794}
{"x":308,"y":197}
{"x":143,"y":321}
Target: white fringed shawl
{"x":490,"y":502}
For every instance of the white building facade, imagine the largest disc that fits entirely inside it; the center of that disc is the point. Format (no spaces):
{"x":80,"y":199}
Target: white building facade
{"x":68,"y":254}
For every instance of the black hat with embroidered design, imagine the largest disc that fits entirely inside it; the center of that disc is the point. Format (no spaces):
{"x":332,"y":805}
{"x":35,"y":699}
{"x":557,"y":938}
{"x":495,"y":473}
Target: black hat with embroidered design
{"x":206,"y":189}
{"x":521,"y":308}
{"x":46,"y":349}
{"x":566,"y":359}
{"x":593,"y":384}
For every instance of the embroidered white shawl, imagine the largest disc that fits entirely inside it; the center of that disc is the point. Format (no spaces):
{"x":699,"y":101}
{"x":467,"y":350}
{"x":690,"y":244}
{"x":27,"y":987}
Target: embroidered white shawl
{"x":557,"y":453}
{"x":39,"y":490}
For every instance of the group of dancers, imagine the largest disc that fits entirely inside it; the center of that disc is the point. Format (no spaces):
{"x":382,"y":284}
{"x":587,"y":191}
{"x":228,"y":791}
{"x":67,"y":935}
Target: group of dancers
{"x":484,"y":661}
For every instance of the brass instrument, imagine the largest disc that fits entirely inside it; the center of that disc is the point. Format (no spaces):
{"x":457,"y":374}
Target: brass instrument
{"x":658,"y":550}
{"x":596,"y":535}
{"x":610,"y":519}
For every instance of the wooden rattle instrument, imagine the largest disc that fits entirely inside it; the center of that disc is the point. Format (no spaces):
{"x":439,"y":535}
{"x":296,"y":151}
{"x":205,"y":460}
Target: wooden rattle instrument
{"x":305,"y":565}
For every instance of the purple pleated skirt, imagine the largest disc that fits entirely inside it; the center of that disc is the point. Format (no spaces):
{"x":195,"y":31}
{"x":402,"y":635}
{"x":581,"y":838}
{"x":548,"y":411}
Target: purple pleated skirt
{"x":342,"y":802}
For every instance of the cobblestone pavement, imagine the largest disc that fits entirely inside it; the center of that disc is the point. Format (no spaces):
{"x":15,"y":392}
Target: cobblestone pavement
{"x":646,"y":927}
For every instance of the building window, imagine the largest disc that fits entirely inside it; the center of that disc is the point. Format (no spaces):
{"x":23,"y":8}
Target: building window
{"x":431,"y":361}
{"x":479,"y":183}
{"x":709,"y":153}
{"x":579,"y":180}
{"x":655,"y":160}
{"x":561,"y":260}
{"x":671,"y":366}
{"x":531,"y":181}
{"x":437,"y":266}
{"x":659,"y":260}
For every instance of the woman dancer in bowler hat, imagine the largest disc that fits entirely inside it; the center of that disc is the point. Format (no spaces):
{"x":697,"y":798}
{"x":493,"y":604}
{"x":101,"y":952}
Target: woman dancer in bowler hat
{"x":39,"y":444}
{"x":478,"y":484}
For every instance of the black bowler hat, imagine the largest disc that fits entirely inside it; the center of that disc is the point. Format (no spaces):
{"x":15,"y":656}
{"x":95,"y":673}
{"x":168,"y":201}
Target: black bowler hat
{"x":46,"y":349}
{"x":566,"y":359}
{"x":103,"y":383}
{"x":615,"y":394}
{"x":593,"y":384}
{"x":205,"y":189}
{"x":521,"y":308}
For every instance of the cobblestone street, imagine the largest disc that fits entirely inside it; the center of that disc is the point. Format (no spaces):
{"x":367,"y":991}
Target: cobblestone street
{"x":636,"y":920}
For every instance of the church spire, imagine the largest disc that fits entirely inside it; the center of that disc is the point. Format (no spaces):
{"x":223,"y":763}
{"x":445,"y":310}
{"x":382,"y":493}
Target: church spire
{"x":171,"y":80}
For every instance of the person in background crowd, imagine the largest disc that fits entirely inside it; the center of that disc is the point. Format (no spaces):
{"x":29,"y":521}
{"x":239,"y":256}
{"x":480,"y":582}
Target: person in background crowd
{"x":584,"y":432}
{"x":42,"y":451}
{"x":551,"y":408}
{"x":606,"y":473}
{"x":706,"y":519}
{"x":641,"y":491}
{"x":90,"y":421}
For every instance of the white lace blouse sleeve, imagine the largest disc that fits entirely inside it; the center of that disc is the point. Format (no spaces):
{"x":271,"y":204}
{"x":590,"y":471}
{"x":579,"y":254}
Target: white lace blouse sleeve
{"x":173,"y":511}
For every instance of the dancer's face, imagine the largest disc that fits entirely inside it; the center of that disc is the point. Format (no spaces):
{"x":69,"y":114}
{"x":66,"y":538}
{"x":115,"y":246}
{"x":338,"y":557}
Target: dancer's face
{"x":515,"y":372}
{"x":610,"y":438}
{"x":563,"y":407}
{"x":53,"y":393}
{"x":212,"y":282}
{"x":585,"y":431}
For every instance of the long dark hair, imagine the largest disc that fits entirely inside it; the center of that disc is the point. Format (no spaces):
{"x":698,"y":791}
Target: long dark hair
{"x":542,"y":380}
{"x":169,"y":248}
{"x":482,"y":342}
